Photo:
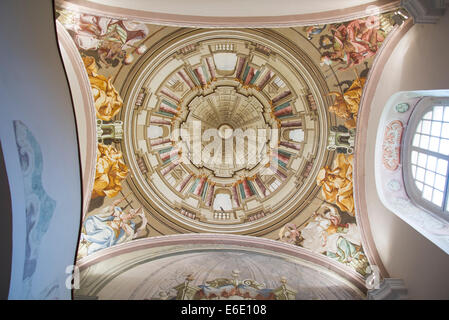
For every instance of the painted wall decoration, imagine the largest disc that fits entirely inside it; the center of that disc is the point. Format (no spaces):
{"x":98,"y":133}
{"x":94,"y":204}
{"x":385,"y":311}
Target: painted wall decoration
{"x":107,"y":100}
{"x":230,"y":289}
{"x":112,"y":225}
{"x":336,"y":183}
{"x":40,"y":206}
{"x":111,"y":41}
{"x":236,"y":83}
{"x":351,"y":43}
{"x":211,"y":272}
{"x":346,"y":105}
{"x":326,"y":234}
{"x":391,"y":149}
{"x":110,"y":172}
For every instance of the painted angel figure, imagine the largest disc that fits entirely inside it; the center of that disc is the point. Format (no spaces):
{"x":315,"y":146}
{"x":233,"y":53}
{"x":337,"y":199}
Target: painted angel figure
{"x":325,"y":234}
{"x":111,"y":226}
{"x":322,"y":232}
{"x":355,"y":42}
{"x":109,"y":37}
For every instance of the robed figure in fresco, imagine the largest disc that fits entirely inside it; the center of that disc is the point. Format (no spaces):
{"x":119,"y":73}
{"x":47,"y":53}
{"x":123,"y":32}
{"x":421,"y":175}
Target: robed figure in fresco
{"x":109,"y":227}
{"x":326,"y":234}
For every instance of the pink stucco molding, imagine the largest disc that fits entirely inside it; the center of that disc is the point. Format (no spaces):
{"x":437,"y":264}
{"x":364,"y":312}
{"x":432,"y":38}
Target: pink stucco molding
{"x":369,"y":91}
{"x":332,"y":16}
{"x":250,"y":242}
{"x":84,"y":112}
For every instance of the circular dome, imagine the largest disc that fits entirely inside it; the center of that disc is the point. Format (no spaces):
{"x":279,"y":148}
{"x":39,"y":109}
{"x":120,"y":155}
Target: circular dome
{"x":226,"y":131}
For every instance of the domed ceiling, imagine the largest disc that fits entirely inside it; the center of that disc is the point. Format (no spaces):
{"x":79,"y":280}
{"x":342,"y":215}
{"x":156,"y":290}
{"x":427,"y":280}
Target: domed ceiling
{"x":242,"y":131}
{"x":219,"y":135}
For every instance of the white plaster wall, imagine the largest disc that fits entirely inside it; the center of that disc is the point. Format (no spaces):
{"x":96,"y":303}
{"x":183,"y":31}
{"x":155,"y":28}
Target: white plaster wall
{"x":34,"y":90}
{"x":419,"y":62}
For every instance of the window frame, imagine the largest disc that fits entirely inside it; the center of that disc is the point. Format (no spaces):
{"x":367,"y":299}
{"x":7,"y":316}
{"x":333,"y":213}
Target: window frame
{"x":425,"y":105}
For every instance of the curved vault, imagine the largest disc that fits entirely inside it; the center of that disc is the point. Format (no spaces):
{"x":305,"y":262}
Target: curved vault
{"x":304,"y":83}
{"x":259,"y":268}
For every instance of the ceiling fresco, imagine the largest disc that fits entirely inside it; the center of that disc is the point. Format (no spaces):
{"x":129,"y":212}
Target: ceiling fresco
{"x":206,"y":272}
{"x":236,"y":131}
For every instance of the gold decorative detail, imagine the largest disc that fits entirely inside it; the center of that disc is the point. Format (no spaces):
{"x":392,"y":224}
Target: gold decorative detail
{"x":346,"y":105}
{"x":337,"y":183}
{"x":107,"y":100}
{"x":110,"y":171}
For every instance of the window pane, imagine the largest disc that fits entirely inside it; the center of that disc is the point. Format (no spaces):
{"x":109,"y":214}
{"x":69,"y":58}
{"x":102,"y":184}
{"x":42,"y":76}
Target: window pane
{"x":444,"y":147}
{"x":419,"y":127}
{"x":446,"y":114}
{"x":440,"y":181}
{"x":427,"y":193}
{"x":428,"y":115}
{"x":416,"y":140}
{"x":434,"y":144}
{"x":420,"y":173}
{"x":430,"y":177}
{"x":437,"y":197}
{"x":419,"y":185}
{"x":424,"y":143}
{"x":422,"y":160}
{"x":445,"y":130}
{"x":426,"y":127}
{"x":414,"y":157}
{"x":436,"y":129}
{"x":431,"y":163}
{"x":442,"y":167}
{"x":413,"y":170}
{"x":438,"y":113}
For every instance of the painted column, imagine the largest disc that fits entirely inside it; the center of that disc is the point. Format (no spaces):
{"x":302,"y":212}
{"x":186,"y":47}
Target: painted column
{"x":291,"y":124}
{"x":235,"y":197}
{"x":168,"y":169}
{"x":184,"y":182}
{"x":290,"y":145}
{"x":261,"y":185}
{"x":247,"y":189}
{"x":210,"y":195}
{"x":200,"y":186}
{"x":159,"y":141}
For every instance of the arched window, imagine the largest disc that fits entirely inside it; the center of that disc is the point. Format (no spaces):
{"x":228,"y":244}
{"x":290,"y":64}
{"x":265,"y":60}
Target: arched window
{"x":412,"y":159}
{"x":426,"y":156}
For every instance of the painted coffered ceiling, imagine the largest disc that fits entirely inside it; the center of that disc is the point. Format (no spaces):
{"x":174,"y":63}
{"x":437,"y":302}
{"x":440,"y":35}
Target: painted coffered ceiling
{"x":240,"y":131}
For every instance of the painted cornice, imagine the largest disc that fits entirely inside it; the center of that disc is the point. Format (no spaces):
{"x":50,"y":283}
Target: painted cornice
{"x":326,"y":17}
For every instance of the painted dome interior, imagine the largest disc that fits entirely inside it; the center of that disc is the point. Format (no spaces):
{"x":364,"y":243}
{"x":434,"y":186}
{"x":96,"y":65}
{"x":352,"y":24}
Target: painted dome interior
{"x":226,"y":131}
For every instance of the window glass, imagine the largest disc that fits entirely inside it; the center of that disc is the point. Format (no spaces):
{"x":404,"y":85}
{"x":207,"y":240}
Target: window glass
{"x":429,"y":156}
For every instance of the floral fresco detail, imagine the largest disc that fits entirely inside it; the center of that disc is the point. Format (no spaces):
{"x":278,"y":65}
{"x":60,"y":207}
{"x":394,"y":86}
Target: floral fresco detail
{"x":346,"y":105}
{"x":391,"y":147}
{"x":111,"y":226}
{"x":110,"y":172}
{"x":39,"y":207}
{"x":353,"y":42}
{"x":326,"y":234}
{"x":336,"y":183}
{"x":112,"y":40}
{"x":106,"y":99}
